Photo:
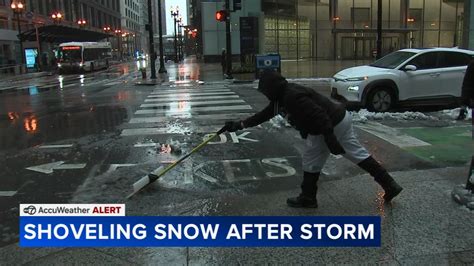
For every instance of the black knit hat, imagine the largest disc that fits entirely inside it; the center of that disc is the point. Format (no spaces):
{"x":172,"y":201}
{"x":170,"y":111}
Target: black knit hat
{"x":271,"y":84}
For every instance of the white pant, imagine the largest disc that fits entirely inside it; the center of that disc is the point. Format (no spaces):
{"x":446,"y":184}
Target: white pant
{"x":317,"y":152}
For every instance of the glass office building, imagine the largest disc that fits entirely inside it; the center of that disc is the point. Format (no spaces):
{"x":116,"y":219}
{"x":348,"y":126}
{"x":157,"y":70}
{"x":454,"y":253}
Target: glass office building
{"x":347,"y":29}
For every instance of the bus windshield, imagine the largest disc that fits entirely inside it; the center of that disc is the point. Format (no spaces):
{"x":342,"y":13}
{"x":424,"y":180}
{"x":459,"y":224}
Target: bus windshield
{"x":70,"y":54}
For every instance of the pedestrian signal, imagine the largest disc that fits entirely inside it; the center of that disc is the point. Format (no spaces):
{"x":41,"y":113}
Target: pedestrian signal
{"x":221,"y":15}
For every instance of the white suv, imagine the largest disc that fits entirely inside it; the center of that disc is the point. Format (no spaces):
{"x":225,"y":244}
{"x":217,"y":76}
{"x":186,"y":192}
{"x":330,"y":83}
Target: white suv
{"x":431,"y":76}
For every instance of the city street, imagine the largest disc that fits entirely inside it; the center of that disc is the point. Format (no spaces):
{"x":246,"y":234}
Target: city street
{"x":87,"y":138}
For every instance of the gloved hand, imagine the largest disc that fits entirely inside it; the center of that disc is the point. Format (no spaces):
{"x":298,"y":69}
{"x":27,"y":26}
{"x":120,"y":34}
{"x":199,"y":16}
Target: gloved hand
{"x":333,"y":144}
{"x":232,"y":126}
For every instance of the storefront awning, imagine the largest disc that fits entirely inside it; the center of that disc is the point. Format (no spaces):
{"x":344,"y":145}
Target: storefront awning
{"x":60,"y":33}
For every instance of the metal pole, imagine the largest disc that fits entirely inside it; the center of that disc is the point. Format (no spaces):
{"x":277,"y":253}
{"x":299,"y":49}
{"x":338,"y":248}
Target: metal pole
{"x":152,"y":44}
{"x":379,"y":29}
{"x":21,"y":43}
{"x":228,"y":40}
{"x":39,"y":48}
{"x":160,"y":30}
{"x":175,"y":43}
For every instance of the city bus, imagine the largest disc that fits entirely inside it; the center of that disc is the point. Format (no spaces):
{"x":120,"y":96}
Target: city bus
{"x":83,"y":56}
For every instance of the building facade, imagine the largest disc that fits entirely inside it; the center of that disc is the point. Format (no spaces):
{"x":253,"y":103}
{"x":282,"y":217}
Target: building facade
{"x":345,"y":29}
{"x":131,"y":31}
{"x":37,"y":13}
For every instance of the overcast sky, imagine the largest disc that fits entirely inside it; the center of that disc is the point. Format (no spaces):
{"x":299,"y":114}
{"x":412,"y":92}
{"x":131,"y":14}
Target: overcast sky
{"x":182,"y":10}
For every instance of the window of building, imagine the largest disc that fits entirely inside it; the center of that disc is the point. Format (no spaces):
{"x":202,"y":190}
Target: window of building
{"x":41,"y":7}
{"x":415,"y":17}
{"x":360,"y":17}
{"x":3,"y":23}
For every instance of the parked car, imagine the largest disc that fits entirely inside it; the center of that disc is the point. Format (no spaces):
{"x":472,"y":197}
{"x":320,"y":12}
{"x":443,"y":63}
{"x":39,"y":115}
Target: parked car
{"x":431,"y":76}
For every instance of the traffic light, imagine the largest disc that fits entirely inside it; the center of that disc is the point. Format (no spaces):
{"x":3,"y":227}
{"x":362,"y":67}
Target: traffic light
{"x":221,"y":15}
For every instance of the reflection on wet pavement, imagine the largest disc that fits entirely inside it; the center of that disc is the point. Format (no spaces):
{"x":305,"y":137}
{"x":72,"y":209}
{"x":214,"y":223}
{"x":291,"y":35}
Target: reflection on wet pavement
{"x":26,"y":130}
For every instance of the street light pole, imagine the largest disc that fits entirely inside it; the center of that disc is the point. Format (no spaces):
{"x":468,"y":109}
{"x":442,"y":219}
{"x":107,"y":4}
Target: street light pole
{"x":160,"y":31}
{"x":379,"y":29}
{"x":152,"y":42}
{"x":18,"y":8}
{"x":228,"y":41}
{"x":174,"y":14}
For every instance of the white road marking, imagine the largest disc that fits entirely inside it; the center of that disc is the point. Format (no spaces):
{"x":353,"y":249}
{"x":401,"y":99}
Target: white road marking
{"x":174,"y":91}
{"x":161,"y":119}
{"x":59,"y":146}
{"x":7,"y":193}
{"x":179,"y":98}
{"x":189,"y":104}
{"x":184,"y":95}
{"x":392,"y":135}
{"x":48,"y":168}
{"x":148,"y":144}
{"x":195,"y":109}
{"x":113,"y":83}
{"x":114,"y":167}
{"x":169,"y":130}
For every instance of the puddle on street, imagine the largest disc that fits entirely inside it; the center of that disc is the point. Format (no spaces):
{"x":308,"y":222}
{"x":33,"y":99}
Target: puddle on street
{"x":24,"y":130}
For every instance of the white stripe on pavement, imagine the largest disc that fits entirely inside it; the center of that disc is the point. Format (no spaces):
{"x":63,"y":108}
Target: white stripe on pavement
{"x":392,"y":135}
{"x":7,"y":193}
{"x":185,"y":104}
{"x":180,"y":98}
{"x":190,"y":94}
{"x":55,"y":146}
{"x":158,"y":92}
{"x":195,"y":109}
{"x":169,"y":130}
{"x":149,"y":144}
{"x":161,"y":119}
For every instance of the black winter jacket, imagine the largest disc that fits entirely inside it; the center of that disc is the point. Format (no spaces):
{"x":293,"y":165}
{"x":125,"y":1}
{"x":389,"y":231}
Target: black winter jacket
{"x":467,"y":96}
{"x":308,"y":111}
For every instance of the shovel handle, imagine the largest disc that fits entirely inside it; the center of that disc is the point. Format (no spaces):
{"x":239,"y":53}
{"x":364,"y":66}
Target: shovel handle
{"x":154,"y":177}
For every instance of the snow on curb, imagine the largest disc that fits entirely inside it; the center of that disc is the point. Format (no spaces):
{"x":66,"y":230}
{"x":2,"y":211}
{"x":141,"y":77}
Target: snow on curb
{"x":364,"y":115}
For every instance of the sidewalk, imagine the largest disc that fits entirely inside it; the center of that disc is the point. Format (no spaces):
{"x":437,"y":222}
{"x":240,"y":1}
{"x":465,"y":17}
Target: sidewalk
{"x":423,"y":226}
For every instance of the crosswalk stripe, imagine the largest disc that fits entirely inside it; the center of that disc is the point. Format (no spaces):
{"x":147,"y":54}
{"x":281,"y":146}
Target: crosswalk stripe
{"x":196,"y":109}
{"x":392,"y":135}
{"x":7,"y":193}
{"x":158,"y":92}
{"x":190,"y":94}
{"x":180,"y":98}
{"x":186,"y":104}
{"x":160,"y":119}
{"x":169,"y":130}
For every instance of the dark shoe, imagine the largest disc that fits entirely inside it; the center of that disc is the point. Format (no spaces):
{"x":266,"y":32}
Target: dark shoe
{"x":382,"y":177}
{"x":302,"y":202}
{"x":391,"y":190}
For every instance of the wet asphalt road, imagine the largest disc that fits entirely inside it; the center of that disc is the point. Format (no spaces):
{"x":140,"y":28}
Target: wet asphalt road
{"x":97,"y":133}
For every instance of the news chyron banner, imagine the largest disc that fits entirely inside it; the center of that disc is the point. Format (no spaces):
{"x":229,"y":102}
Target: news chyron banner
{"x":106,"y":225}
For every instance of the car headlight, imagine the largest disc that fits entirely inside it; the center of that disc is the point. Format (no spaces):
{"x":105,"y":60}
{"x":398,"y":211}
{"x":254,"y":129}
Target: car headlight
{"x":81,"y":64}
{"x":357,"y":79}
{"x":59,"y":65}
{"x":353,"y":88}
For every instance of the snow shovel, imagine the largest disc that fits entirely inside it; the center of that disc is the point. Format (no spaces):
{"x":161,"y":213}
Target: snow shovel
{"x":153,"y":176}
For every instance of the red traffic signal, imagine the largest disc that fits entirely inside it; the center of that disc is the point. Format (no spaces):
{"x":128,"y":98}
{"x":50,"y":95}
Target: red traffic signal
{"x":221,"y":15}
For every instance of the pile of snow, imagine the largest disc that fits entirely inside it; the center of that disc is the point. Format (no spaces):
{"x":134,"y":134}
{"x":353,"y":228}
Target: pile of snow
{"x":364,"y":115}
{"x":453,"y":113}
{"x":279,"y":122}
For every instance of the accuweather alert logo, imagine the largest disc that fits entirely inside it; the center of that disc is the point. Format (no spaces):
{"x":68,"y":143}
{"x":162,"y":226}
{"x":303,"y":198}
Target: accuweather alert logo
{"x":72,"y":209}
{"x":31,"y":210}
